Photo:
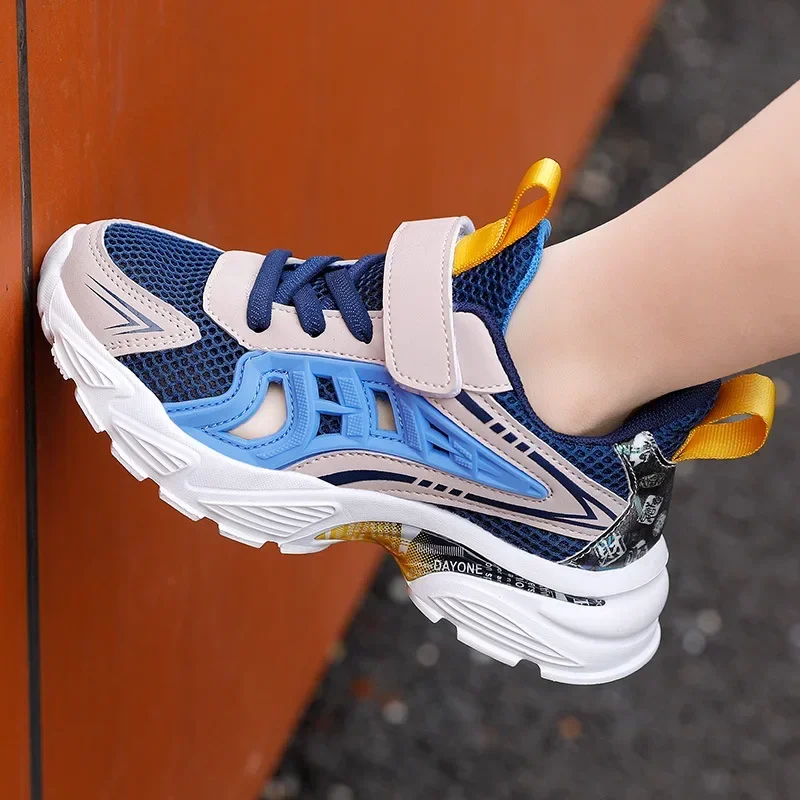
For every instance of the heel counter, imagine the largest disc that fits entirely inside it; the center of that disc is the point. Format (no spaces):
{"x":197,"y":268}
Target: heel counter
{"x":640,"y":526}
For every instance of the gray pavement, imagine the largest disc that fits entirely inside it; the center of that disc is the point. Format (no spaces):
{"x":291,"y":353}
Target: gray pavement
{"x":408,"y":713}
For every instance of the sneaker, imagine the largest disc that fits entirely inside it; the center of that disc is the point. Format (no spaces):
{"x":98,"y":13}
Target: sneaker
{"x":313,"y":402}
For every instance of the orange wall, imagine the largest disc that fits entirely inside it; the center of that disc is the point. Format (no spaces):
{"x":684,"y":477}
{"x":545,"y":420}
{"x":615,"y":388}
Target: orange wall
{"x":174,"y":661}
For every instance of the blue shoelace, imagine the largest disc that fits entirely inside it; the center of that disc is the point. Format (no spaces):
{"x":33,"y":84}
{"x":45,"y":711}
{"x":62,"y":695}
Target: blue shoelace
{"x":291,"y":284}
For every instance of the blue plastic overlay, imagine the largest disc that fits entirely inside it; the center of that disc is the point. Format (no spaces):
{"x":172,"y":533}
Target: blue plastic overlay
{"x":422,"y":434}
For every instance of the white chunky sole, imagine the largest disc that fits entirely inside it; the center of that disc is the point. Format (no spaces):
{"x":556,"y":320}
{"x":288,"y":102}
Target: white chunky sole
{"x":578,"y":626}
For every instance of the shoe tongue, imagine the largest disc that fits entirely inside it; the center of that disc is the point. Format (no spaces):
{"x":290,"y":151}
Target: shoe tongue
{"x":497,"y":284}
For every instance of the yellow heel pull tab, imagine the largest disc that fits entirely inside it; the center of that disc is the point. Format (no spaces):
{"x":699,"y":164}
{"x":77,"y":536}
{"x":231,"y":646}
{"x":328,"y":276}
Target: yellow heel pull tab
{"x":722,"y":434}
{"x":492,"y":238}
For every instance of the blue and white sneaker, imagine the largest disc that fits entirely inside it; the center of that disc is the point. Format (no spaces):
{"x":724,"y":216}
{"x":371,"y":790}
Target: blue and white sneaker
{"x":312,"y":402}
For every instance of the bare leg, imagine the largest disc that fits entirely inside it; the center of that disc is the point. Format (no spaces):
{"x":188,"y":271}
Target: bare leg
{"x":699,"y":281}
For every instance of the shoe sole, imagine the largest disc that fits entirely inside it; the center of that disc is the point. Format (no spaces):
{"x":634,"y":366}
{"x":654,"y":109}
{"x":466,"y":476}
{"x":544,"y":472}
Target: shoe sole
{"x":579,"y":627}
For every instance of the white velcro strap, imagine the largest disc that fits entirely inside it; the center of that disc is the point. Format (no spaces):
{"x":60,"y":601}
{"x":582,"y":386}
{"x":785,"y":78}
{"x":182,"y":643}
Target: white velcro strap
{"x":418,"y":306}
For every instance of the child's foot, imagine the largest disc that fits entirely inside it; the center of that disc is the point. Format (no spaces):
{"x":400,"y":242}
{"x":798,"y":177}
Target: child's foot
{"x":313,"y":402}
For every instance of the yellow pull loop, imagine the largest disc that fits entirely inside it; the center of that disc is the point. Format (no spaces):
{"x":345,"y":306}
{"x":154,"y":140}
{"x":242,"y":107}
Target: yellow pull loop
{"x":715,"y":437}
{"x":492,"y":238}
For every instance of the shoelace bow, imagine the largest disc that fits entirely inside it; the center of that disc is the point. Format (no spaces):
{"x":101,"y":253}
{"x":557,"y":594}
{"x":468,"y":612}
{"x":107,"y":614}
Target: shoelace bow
{"x":291,"y":284}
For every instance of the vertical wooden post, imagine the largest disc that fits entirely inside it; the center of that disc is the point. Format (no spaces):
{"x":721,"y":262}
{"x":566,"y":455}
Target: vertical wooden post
{"x":14,"y":729}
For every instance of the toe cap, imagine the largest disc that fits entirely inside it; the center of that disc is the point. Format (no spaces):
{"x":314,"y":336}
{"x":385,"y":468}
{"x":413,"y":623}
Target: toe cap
{"x":117,"y":276}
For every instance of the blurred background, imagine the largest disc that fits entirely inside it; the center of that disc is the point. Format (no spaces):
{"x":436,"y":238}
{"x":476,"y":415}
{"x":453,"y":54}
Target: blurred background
{"x":407,"y":712}
{"x":144,"y":656}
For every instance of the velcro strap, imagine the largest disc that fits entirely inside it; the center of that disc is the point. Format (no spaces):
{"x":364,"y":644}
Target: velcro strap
{"x":418,"y":306}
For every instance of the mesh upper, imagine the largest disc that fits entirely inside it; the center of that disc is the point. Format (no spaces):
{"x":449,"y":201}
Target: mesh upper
{"x":326,"y":389}
{"x":176,"y":270}
{"x":546,"y":544}
{"x":494,"y":284}
{"x":329,"y":423}
{"x":669,"y":419}
{"x":370,"y":286}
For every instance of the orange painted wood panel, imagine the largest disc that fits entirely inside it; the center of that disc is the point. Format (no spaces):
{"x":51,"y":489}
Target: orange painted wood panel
{"x":174,"y":661}
{"x":13,"y":612}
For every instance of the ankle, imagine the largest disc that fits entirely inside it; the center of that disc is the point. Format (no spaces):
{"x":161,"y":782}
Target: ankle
{"x":573,"y":400}
{"x":576,"y":383}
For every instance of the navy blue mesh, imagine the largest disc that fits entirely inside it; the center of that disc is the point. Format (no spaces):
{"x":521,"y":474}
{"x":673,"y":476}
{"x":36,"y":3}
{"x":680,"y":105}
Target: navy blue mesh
{"x":175,"y":271}
{"x":370,"y":286}
{"x":326,"y":389}
{"x":495,"y":283}
{"x":551,"y":546}
{"x":329,"y":423}
{"x":669,"y":419}
{"x":321,"y":290}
